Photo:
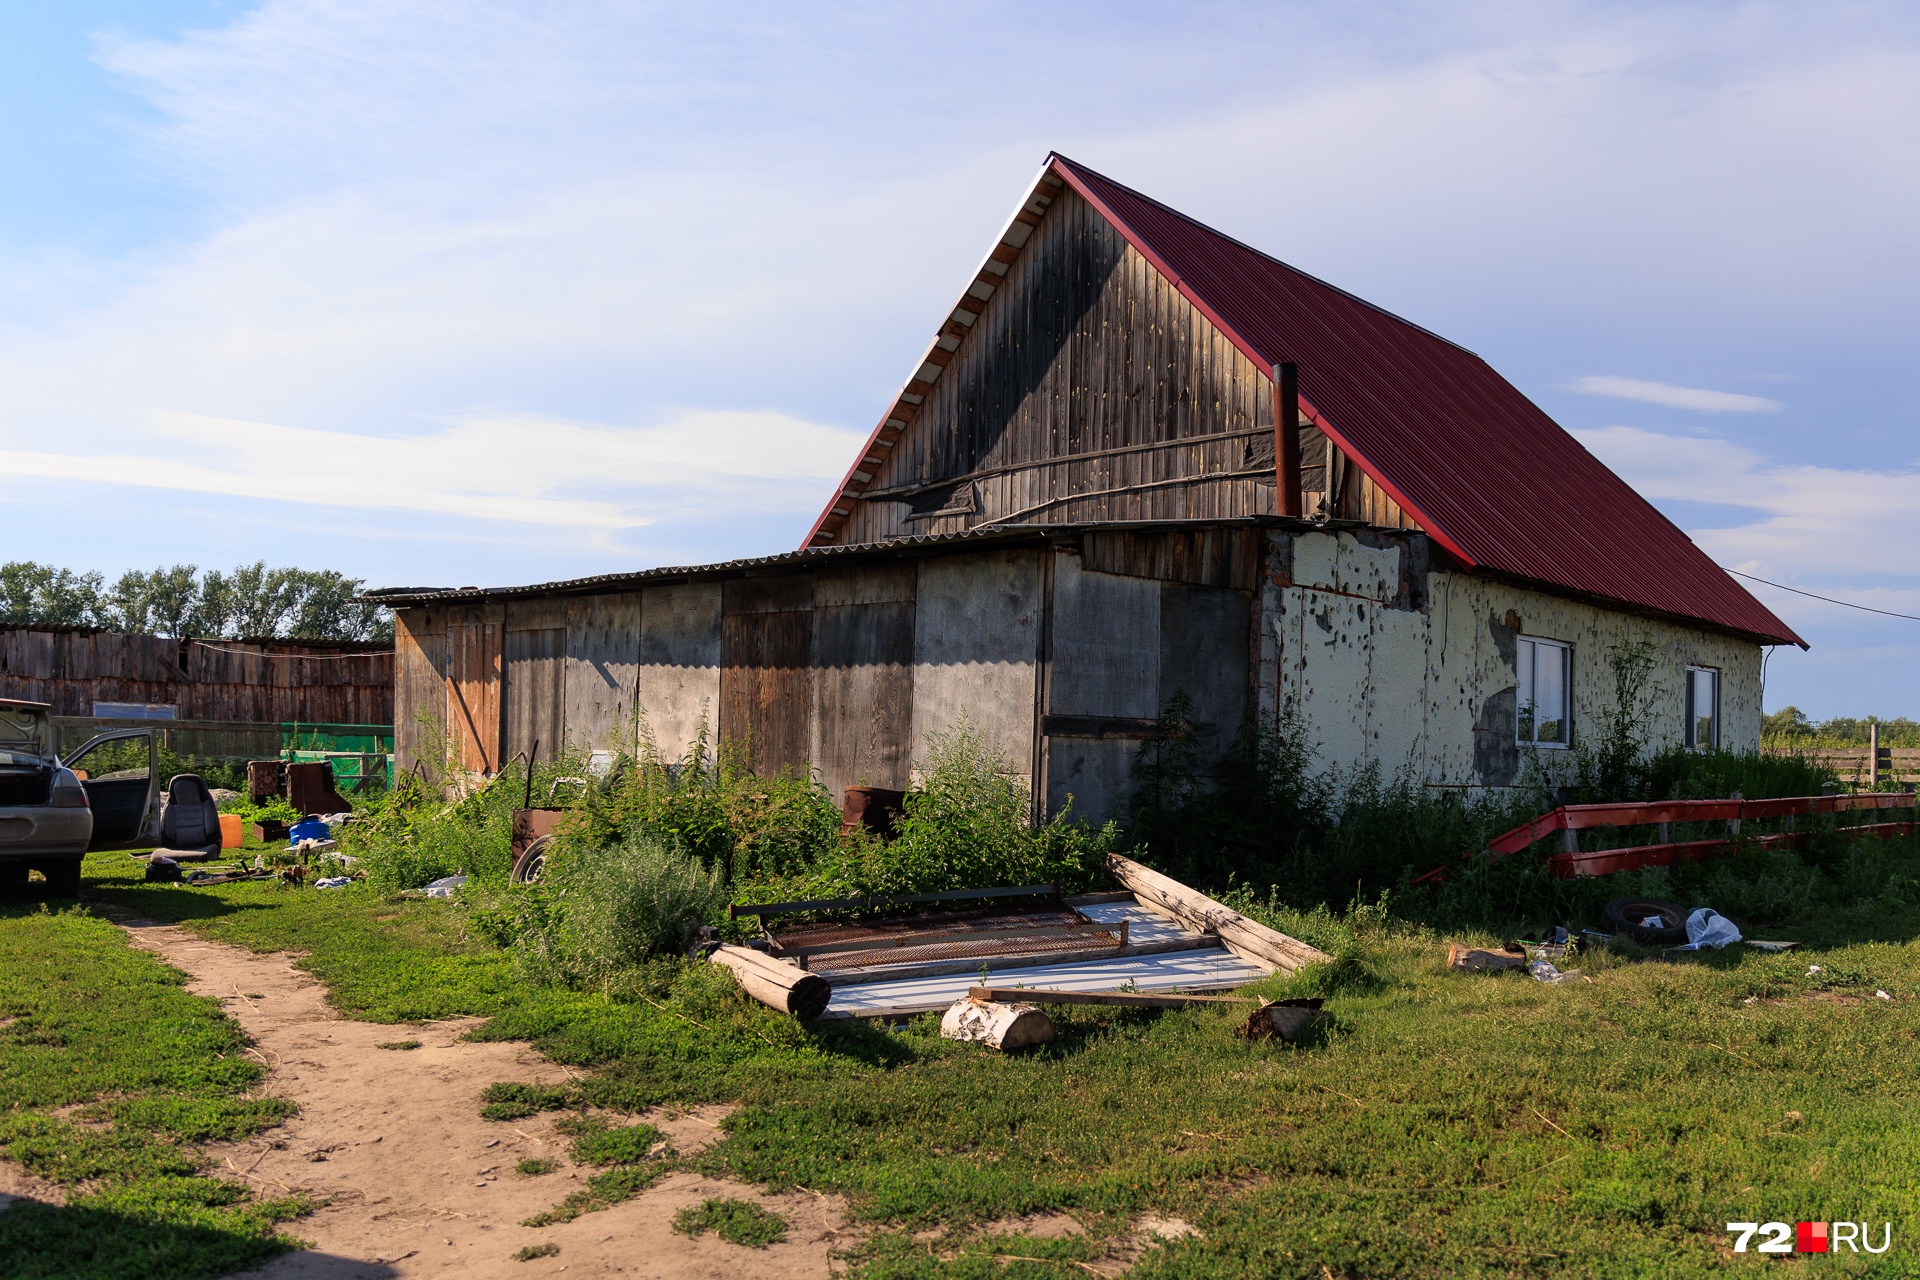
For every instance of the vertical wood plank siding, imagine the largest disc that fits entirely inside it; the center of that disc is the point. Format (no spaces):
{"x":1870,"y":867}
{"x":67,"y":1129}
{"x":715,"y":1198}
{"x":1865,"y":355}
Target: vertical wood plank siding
{"x":535,"y":695}
{"x":1089,"y":390}
{"x":863,"y":622}
{"x":207,"y":680}
{"x":420,"y":658}
{"x":766,"y":676}
{"x":473,"y":692}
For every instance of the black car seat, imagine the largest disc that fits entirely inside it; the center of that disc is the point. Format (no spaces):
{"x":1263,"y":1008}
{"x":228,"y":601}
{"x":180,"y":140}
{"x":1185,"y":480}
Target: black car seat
{"x":190,"y":822}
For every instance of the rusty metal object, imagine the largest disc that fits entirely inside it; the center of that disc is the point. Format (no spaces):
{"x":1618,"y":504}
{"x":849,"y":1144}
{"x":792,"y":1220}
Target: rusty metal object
{"x":876,"y":809}
{"x":1282,"y":1019}
{"x":310,"y":789}
{"x":533,"y":832}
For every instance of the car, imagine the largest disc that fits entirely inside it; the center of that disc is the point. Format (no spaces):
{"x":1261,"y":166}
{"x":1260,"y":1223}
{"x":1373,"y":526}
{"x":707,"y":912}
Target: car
{"x":54,"y":810}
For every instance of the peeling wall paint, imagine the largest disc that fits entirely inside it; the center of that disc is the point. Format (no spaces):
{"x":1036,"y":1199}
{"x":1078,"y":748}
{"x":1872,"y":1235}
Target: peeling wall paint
{"x":1383,"y":661}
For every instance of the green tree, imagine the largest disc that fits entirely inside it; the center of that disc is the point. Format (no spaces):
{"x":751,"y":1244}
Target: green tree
{"x":44,"y":595}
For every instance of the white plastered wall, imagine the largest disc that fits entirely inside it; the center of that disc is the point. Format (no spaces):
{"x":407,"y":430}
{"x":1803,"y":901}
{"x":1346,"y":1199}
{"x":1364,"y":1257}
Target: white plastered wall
{"x":1406,"y":686}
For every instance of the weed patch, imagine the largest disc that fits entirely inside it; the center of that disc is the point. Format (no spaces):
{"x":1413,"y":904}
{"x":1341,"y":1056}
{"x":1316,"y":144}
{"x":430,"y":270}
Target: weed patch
{"x":512,"y":1100}
{"x":736,"y":1221}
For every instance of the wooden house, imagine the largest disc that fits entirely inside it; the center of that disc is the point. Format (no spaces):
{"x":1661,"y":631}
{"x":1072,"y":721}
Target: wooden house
{"x":1140,"y":459}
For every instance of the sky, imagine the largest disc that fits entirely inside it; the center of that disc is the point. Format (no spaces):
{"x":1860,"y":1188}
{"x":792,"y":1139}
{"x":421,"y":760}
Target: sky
{"x":456,"y":293}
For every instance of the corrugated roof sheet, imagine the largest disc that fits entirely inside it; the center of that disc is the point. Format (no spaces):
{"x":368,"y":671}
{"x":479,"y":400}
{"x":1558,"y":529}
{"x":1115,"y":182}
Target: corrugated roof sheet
{"x":922,"y":545}
{"x":1481,"y":467}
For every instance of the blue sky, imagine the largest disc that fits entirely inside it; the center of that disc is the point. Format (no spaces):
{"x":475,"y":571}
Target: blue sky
{"x":439,"y":293}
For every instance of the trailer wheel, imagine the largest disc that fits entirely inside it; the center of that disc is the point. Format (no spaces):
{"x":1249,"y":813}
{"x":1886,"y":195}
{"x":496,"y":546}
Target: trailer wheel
{"x":528,"y":866}
{"x":1623,"y":916}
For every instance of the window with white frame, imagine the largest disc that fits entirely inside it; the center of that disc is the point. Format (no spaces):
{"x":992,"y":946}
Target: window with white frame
{"x":1546,"y":700}
{"x":1703,"y":708}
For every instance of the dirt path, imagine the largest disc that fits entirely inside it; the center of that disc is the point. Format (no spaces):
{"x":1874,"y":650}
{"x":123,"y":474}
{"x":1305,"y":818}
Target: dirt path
{"x":415,"y":1183}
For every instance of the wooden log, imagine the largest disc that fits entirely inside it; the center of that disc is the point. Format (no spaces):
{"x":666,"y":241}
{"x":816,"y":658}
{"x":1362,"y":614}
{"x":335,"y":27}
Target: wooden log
{"x":786,"y":987}
{"x":1248,"y":939}
{"x":996,"y":1025}
{"x":1123,"y":999}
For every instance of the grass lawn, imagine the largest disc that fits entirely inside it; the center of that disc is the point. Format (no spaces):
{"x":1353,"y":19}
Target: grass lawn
{"x":110,"y":1075}
{"x":1447,"y":1124}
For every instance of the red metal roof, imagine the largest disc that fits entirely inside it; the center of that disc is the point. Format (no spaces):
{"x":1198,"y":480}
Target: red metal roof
{"x":1480,"y":467}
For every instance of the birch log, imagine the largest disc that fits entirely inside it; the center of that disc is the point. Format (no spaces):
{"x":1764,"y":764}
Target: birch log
{"x":787,"y":987}
{"x":998,"y":1026}
{"x":1248,"y":939}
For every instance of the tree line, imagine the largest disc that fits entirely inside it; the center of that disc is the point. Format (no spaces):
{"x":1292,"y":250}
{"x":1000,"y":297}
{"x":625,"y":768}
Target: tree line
{"x":252,"y":601}
{"x":1791,"y":724}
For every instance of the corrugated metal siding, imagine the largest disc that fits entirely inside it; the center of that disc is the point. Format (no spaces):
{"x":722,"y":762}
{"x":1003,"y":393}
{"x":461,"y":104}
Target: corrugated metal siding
{"x":1481,"y":466}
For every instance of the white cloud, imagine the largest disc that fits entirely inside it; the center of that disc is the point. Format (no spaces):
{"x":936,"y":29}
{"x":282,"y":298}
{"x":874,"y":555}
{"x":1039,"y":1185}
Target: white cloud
{"x":1697,"y":399}
{"x":514,"y":469}
{"x":1810,"y":525}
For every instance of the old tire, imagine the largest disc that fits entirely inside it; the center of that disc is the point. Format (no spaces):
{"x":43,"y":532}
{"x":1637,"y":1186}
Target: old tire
{"x":63,"y":878}
{"x":1622,"y":917}
{"x":529,"y":866}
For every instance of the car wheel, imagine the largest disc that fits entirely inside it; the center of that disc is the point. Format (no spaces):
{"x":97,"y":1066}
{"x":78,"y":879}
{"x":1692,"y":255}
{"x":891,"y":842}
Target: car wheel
{"x":13,"y":875}
{"x":528,"y":867}
{"x":63,"y":879}
{"x":1623,"y":916}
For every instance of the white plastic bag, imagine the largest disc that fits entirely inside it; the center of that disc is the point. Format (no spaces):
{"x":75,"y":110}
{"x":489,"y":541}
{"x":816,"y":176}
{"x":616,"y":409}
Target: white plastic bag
{"x":1708,"y":928}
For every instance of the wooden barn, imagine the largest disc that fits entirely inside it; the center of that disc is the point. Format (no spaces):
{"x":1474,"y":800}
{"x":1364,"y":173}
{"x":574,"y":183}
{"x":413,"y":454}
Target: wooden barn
{"x":1138,"y":459}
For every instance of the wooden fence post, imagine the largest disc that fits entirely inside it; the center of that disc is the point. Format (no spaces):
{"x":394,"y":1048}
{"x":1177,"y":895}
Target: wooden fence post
{"x":1873,"y":755}
{"x":1733,"y":824}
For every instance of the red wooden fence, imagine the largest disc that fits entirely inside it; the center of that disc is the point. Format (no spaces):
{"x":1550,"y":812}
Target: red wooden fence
{"x":1573,"y":818}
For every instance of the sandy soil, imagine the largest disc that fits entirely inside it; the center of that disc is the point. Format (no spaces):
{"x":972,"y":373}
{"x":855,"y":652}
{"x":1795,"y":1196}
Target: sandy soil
{"x":414,"y":1182}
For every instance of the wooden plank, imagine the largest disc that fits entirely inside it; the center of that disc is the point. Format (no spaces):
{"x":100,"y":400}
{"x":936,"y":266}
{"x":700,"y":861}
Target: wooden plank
{"x":766,"y":673}
{"x":893,"y":900}
{"x":473,"y":693}
{"x":941,"y":937}
{"x":534,"y":693}
{"x":862,"y":722}
{"x":1116,"y":999}
{"x":420,"y":652}
{"x":600,"y":671}
{"x":1000,"y":964}
{"x":1246,"y":938}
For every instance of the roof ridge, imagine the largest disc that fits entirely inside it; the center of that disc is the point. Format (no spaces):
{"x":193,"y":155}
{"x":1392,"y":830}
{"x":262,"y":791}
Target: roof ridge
{"x":1260,"y":253}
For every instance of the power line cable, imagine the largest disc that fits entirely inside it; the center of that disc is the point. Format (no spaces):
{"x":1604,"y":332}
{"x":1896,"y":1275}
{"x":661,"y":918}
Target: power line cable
{"x":1865,"y":608}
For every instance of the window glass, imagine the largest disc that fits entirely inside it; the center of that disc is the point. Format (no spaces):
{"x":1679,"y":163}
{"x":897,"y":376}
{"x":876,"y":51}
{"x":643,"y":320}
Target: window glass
{"x":1523,"y":653}
{"x":1545,"y":677}
{"x":1550,"y":680}
{"x":1703,"y":707}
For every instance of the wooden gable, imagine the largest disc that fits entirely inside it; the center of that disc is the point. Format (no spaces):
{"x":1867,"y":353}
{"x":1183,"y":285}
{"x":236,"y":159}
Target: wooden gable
{"x":1085,"y":388}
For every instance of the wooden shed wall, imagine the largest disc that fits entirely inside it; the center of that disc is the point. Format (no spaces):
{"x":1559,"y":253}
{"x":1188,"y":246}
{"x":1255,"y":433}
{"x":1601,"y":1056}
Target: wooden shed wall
{"x":1060,"y":658}
{"x":207,"y":680}
{"x":1087,"y":390}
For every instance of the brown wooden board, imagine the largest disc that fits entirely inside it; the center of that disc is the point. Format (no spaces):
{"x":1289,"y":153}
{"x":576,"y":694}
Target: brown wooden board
{"x":534,"y":695}
{"x":315,"y":682}
{"x":766,"y":678}
{"x":863,"y":624}
{"x":473,"y":693}
{"x":420,"y":652}
{"x":601,"y":669}
{"x":1084,"y":349}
